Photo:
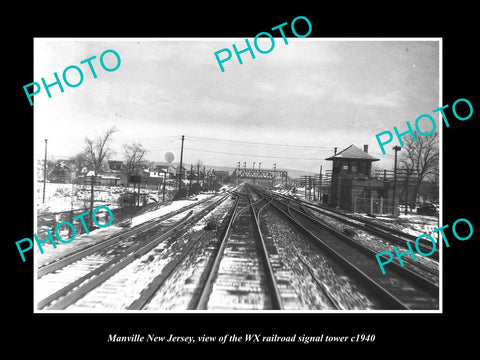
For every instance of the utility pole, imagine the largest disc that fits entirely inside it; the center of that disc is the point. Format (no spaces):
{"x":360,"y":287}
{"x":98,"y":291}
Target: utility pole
{"x":311,"y":184}
{"x":164,"y":181}
{"x":45,"y":172}
{"x":208,"y":180}
{"x":320,"y":184}
{"x":274,"y":174}
{"x":237,"y":180}
{"x":314,"y":191}
{"x":190,"y":186}
{"x":198,"y":177}
{"x":397,"y":149}
{"x":181,"y":164}
{"x":203,"y":178}
{"x":408,"y":173}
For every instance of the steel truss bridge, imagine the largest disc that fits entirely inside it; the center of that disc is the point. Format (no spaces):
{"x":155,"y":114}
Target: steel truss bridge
{"x":260,"y":174}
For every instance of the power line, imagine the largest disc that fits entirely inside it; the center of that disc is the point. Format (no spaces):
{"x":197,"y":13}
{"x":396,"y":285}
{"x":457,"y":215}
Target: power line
{"x":323,"y":148}
{"x":253,"y":155}
{"x":205,"y":139}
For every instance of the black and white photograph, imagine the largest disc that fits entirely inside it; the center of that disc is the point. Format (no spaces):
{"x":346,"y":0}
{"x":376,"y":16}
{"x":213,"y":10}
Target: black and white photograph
{"x":253,"y":186}
{"x":225,"y":180}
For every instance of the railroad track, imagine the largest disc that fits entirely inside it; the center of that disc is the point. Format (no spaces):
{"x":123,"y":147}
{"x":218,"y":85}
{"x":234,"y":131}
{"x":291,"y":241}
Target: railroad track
{"x":402,"y":289}
{"x":425,"y":266}
{"x":241,"y":275}
{"x":394,"y":236}
{"x":238,"y":270}
{"x":72,"y":277}
{"x":115,"y":240}
{"x":240,"y":264}
{"x":291,"y":291}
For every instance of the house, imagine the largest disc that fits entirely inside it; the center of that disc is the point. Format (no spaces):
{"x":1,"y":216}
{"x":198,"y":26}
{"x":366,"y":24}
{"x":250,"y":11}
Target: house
{"x":64,"y":171}
{"x":352,"y":186}
{"x":157,"y":169}
{"x":116,"y":165}
{"x":175,"y":172}
{"x":220,"y":174}
{"x":105,"y":179}
{"x":191,"y":175}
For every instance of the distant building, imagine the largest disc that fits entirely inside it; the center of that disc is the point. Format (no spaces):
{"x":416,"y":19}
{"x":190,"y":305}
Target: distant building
{"x":352,"y":186}
{"x":105,"y":179}
{"x":220,"y":174}
{"x":62,"y":172}
{"x":160,"y":170}
{"x":191,"y":175}
{"x":175,"y":172}
{"x":116,"y":165}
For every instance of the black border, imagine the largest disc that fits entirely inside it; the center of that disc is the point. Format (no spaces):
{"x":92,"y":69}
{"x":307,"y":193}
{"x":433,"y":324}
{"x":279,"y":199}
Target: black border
{"x":396,"y":332}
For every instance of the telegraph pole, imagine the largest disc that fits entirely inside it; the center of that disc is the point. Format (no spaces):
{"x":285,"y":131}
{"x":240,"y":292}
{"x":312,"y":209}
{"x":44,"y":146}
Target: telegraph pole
{"x":274,"y":174}
{"x":397,"y":149}
{"x":198,"y":177}
{"x":237,"y":173}
{"x":163,"y":191}
{"x":320,"y":184}
{"x":44,"y":172}
{"x":181,"y":164}
{"x":190,"y":186}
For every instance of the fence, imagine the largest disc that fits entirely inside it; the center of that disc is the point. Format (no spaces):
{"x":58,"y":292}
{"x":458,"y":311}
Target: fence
{"x":373,"y":206}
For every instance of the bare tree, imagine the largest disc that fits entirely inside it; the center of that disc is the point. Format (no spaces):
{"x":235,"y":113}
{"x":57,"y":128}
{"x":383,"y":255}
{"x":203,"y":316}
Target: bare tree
{"x":134,"y":157}
{"x":420,"y":158}
{"x":96,"y":151}
{"x":78,"y":161}
{"x":199,"y":163}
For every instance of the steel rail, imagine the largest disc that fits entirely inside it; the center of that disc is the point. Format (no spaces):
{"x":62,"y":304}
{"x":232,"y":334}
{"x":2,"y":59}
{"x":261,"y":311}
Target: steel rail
{"x":412,"y":276}
{"x":388,"y":233}
{"x":148,"y":293}
{"x":386,"y":296}
{"x":391,"y":235}
{"x":112,"y":266}
{"x":212,"y":274}
{"x":213,"y":270}
{"x":277,"y":299}
{"x":385,"y":236}
{"x":68,"y":259}
{"x":333,"y":302}
{"x":105,"y":271}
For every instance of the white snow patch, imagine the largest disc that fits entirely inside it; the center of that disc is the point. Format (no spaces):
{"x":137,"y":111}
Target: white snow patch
{"x":174,"y":205}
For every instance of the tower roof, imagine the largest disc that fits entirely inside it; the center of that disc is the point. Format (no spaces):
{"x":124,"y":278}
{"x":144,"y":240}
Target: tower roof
{"x":352,"y":152}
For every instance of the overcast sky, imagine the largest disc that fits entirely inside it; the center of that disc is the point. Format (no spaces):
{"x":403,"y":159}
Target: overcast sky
{"x":300,"y":100}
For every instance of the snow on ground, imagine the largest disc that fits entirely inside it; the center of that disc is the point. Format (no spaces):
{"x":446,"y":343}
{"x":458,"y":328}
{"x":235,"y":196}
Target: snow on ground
{"x":412,"y":224}
{"x":174,"y":205}
{"x":63,"y":197}
{"x":419,"y":224}
{"x":81,"y":241}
